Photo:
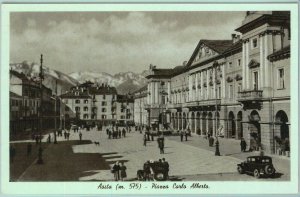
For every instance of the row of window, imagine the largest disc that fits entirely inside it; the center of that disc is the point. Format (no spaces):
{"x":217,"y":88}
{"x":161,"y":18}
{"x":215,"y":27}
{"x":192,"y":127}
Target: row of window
{"x":177,"y":98}
{"x":77,"y":101}
{"x":86,"y":116}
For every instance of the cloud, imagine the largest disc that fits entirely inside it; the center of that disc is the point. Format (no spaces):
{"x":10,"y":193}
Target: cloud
{"x":113,"y":44}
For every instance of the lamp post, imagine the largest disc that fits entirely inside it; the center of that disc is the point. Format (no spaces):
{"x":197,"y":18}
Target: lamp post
{"x":41,"y":76}
{"x":216,"y":66}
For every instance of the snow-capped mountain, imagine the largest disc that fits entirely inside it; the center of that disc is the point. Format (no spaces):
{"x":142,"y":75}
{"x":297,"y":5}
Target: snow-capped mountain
{"x":55,"y":80}
{"x":125,"y":82}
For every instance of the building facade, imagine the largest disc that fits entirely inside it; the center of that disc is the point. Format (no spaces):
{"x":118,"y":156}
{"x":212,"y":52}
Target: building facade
{"x":140,"y":101}
{"x":236,"y":88}
{"x":95,"y":104}
{"x":26,"y":113}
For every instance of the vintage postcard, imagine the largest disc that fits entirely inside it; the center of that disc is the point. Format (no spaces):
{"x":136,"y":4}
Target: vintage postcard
{"x":149,"y":98}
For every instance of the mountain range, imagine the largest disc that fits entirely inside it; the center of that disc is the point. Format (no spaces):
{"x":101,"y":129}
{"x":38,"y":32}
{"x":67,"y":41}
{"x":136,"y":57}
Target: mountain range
{"x":125,"y":82}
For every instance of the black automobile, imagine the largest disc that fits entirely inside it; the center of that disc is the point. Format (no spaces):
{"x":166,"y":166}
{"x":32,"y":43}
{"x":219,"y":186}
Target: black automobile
{"x":257,"y":165}
{"x":159,"y":172}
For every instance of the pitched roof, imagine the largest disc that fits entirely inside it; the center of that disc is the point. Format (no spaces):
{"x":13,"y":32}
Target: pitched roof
{"x":237,"y":46}
{"x":125,"y":98}
{"x":220,"y":46}
{"x":102,"y":90}
{"x":280,"y":54}
{"x":12,"y":94}
{"x":217,"y":45}
{"x":71,"y":94}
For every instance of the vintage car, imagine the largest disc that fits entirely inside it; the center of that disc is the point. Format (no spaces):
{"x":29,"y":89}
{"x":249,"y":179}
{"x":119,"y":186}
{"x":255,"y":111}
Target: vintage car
{"x":159,"y":172}
{"x":257,"y":165}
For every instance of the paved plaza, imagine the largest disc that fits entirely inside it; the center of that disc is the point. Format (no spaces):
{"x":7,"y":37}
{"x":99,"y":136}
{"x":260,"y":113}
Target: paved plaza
{"x":189,"y":160}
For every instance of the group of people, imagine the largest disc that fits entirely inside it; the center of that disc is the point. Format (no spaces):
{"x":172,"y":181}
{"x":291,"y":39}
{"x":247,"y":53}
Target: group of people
{"x":119,"y":171}
{"x":116,"y":133}
{"x":184,"y":133}
{"x":151,"y":167}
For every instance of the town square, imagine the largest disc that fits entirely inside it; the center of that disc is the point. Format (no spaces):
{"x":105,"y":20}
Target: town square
{"x":138,"y":96}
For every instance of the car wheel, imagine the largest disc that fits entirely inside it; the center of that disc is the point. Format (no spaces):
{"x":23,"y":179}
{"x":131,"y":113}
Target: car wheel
{"x":159,"y":176}
{"x":256,"y":173}
{"x":240,"y":170}
{"x":269,"y":170}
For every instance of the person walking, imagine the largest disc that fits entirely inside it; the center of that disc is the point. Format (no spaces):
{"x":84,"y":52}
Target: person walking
{"x":80,"y":136}
{"x":166,"y":167}
{"x":49,"y":138}
{"x":123,"y":132}
{"x":65,"y":134}
{"x":145,"y":140}
{"x":243,"y":145}
{"x":109,"y":134}
{"x":119,"y":133}
{"x":123,"y":171}
{"x":186,"y":135}
{"x":116,"y":171}
{"x":147,"y":171}
{"x":181,"y":136}
{"x":161,"y":146}
{"x":152,"y":136}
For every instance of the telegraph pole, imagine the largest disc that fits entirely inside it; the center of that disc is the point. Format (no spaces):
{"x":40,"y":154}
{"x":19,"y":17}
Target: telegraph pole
{"x":41,"y":75}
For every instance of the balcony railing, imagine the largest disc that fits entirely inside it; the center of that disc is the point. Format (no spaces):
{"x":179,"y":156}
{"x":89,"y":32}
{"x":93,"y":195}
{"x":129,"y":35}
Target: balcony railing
{"x":250,"y":95}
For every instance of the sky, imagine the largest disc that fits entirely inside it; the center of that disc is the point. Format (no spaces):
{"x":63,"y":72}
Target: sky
{"x":114,"y":42}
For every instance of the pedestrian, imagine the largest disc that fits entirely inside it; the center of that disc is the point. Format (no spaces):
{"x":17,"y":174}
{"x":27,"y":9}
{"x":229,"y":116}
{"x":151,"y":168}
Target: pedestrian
{"x":12,"y":153}
{"x":124,"y":132}
{"x":148,"y":135}
{"x":68,"y":136}
{"x":29,"y":148}
{"x":243,"y":145}
{"x":147,"y":171}
{"x":119,"y":133}
{"x":186,"y":135}
{"x":123,"y":171}
{"x":161,"y":146}
{"x":152,"y":136}
{"x":65,"y":134}
{"x":166,"y":167}
{"x":80,"y":136}
{"x":181,"y":136}
{"x":145,"y":140}
{"x":109,"y":134}
{"x":40,"y":138}
{"x":116,"y":171}
{"x":211,"y":141}
{"x":49,"y":138}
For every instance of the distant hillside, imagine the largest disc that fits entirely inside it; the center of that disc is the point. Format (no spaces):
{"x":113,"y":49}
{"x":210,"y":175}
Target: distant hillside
{"x":124,"y":82}
{"x":52,"y":77}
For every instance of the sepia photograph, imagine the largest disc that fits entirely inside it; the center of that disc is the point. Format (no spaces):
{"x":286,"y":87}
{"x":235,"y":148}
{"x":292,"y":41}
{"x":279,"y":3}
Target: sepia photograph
{"x":150,"y":96}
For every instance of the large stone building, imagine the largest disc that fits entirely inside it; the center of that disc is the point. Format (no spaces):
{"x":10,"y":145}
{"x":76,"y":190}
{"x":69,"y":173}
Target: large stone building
{"x":140,"y":100}
{"x":25,"y":102}
{"x":233,"y":88}
{"x":97,"y":104}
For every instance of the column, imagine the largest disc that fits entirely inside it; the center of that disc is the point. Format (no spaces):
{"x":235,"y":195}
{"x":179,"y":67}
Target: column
{"x":207,"y":84}
{"x":148,"y":96}
{"x":215,"y":83}
{"x":197,"y":90}
{"x":223,"y":81}
{"x":247,"y":68}
{"x":262,"y":63}
{"x":201,"y":85}
{"x":243,"y":66}
{"x":190,"y":88}
{"x":156,"y":93}
{"x":169,"y":91}
{"x":266,"y":66}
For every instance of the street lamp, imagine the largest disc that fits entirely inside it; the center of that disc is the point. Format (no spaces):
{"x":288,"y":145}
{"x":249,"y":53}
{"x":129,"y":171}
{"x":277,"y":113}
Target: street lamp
{"x":41,"y":76}
{"x":216,"y":66}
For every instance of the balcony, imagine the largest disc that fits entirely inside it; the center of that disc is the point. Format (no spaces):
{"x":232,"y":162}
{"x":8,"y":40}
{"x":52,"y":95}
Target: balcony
{"x":248,"y":95}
